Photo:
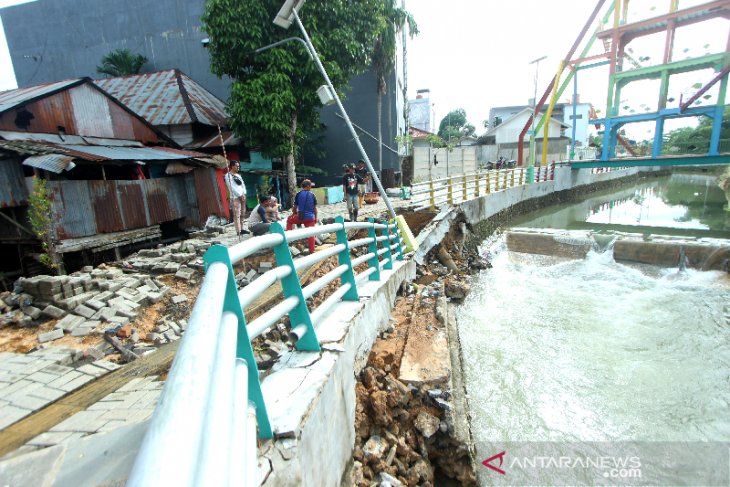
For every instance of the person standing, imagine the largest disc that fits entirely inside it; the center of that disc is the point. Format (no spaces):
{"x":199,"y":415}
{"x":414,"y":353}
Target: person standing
{"x":362,"y":171}
{"x":236,"y":195}
{"x":304,"y":211}
{"x":258,"y":222}
{"x":350,"y":185}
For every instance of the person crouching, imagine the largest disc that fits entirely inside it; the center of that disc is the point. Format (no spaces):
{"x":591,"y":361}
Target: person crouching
{"x":258,"y":223}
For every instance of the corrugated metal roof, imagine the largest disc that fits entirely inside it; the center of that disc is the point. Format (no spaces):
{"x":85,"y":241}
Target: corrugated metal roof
{"x":56,"y":163}
{"x":166,"y":98}
{"x":212,"y":142}
{"x":133,"y":153}
{"x":12,"y":98}
{"x":68,"y":139}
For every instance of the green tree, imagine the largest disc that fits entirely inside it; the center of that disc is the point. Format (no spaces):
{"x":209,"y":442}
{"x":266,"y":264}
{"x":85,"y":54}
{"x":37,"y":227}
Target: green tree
{"x":273,"y":102}
{"x":395,"y":19}
{"x":121,"y":62}
{"x":39,"y":215}
{"x":454,"y":126}
{"x":695,"y":140}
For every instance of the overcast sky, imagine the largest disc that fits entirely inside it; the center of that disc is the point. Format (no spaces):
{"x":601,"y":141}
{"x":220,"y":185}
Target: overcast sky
{"x":475,"y":54}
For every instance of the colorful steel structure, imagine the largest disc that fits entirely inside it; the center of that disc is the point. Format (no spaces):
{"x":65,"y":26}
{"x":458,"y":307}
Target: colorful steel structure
{"x":615,"y":39}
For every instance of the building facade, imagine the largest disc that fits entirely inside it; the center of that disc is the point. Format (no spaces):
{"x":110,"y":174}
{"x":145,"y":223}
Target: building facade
{"x":51,"y":40}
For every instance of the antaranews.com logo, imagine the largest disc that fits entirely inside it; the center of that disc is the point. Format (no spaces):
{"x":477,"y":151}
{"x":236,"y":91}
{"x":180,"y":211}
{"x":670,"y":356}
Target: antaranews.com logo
{"x":596,"y":463}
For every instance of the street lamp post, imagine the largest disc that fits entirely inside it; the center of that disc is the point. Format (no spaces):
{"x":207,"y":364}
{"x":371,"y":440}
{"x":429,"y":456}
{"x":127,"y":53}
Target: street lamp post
{"x":284,"y":17}
{"x":531,"y":162}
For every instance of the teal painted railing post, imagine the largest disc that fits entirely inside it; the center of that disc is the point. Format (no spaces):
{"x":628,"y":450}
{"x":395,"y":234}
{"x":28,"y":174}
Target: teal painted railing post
{"x":219,"y":253}
{"x":398,"y":240}
{"x":373,"y":247}
{"x":388,"y":254}
{"x":344,"y":258}
{"x":292,"y":287}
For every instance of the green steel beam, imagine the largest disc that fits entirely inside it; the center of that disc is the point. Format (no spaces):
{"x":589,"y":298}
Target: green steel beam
{"x":655,"y":72}
{"x":703,"y":160}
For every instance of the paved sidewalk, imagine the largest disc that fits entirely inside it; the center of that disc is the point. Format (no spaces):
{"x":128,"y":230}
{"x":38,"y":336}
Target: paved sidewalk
{"x":29,"y":382}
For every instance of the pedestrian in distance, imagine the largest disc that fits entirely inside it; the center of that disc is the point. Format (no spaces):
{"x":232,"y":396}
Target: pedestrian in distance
{"x":236,"y":195}
{"x":304,"y":211}
{"x":258,"y":224}
{"x":350,"y":185}
{"x":362,"y":171}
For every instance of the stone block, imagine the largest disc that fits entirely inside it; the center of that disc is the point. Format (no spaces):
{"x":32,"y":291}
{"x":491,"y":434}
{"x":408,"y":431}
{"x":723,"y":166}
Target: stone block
{"x":180,"y":298}
{"x":69,"y":322}
{"x":118,"y":320}
{"x":251,"y":275}
{"x":50,"y":336}
{"x":104,"y":296}
{"x":151,"y":284}
{"x":92,"y":370}
{"x":155,"y":297}
{"x":105,"y":364}
{"x":29,"y":402}
{"x":105,"y":314}
{"x":84,"y":311}
{"x":295,"y":252}
{"x":53,"y":312}
{"x":185,"y":273}
{"x":126,"y":313}
{"x":31,"y":311}
{"x":95,"y":304}
{"x":82,"y":331}
{"x":170,"y":336}
{"x":76,"y":383}
{"x":48,"y":393}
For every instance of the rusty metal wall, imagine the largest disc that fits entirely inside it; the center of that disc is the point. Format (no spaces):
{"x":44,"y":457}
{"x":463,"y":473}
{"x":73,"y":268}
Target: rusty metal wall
{"x":209,"y":198}
{"x":13,"y":192}
{"x":84,"y":208}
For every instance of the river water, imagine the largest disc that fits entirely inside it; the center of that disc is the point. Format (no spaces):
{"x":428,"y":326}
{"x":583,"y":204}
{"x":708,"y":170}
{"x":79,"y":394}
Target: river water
{"x":571,"y":351}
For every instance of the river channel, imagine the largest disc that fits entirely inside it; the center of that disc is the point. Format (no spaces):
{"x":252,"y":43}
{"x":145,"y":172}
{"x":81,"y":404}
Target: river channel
{"x":576,"y":351}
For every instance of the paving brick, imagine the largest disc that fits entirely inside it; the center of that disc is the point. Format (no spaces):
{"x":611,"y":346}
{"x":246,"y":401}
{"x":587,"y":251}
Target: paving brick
{"x":104,"y":314}
{"x":65,"y":379}
{"x":119,"y":320}
{"x":42,"y":377}
{"x":119,"y":414}
{"x":29,"y":402}
{"x":81,"y":331}
{"x":111,"y":425}
{"x":92,"y":370}
{"x":11,"y":414}
{"x":50,"y":438}
{"x":151,"y":284}
{"x":50,"y":336}
{"x":57,"y":369}
{"x":105,"y":364}
{"x":48,"y":393}
{"x":69,"y":322}
{"x":84,"y":311}
{"x":84,"y":421}
{"x":129,"y":386}
{"x":32,"y":311}
{"x":105,"y":406}
{"x":75,"y":383}
{"x":180,"y":298}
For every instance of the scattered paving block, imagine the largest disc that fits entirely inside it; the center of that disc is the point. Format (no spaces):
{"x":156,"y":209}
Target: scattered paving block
{"x":50,"y":336}
{"x":84,"y":311}
{"x":105,"y":364}
{"x":105,"y":314}
{"x":171,"y":336}
{"x":53,"y":312}
{"x":251,"y":275}
{"x":154,"y":297}
{"x":32,"y":311}
{"x":69,"y":322}
{"x":265,"y":266}
{"x":295,"y":252}
{"x":185,"y":273}
{"x":151,"y":284}
{"x":82,"y":331}
{"x":119,"y":320}
{"x":180,"y":298}
{"x":95,"y":304}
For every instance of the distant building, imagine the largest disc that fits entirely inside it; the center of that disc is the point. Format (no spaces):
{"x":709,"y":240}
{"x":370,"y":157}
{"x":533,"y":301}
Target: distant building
{"x":562,"y":112}
{"x":114,"y":180}
{"x":420,"y":113}
{"x":59,"y":39}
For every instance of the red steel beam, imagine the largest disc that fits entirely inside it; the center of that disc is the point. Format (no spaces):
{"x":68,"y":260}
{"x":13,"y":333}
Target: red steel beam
{"x":693,"y":98}
{"x":521,"y":140}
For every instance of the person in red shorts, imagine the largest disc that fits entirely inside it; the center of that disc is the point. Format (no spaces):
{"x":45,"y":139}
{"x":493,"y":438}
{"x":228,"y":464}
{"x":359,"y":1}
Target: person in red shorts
{"x":304,"y":211}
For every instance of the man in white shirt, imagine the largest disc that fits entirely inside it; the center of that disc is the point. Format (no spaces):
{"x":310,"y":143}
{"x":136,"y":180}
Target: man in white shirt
{"x":237,"y":195}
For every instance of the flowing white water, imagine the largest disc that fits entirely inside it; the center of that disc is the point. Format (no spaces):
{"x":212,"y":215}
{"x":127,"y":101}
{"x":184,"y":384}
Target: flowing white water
{"x":593,"y":350}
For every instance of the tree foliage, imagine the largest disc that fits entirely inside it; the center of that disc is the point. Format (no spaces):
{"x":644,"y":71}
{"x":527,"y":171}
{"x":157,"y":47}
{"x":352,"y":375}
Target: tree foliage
{"x":39,"y":215}
{"x":121,"y":62}
{"x":455,"y":126}
{"x":273,"y":102}
{"x":395,"y":19}
{"x":695,"y":140}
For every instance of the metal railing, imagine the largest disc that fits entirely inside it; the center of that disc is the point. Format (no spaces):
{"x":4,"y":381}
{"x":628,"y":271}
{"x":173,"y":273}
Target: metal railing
{"x":203,"y":431}
{"x":463,"y":187}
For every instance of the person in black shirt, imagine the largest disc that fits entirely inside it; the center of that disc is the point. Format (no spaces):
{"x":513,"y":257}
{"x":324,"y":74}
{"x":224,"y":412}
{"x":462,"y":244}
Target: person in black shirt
{"x":350,"y":183}
{"x":362,"y":171}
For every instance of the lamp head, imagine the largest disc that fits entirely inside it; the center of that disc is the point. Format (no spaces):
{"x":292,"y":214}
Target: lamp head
{"x":285,"y":16}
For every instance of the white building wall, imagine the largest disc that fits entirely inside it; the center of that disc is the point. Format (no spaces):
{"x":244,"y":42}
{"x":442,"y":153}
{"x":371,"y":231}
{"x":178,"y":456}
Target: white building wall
{"x":509,"y":133}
